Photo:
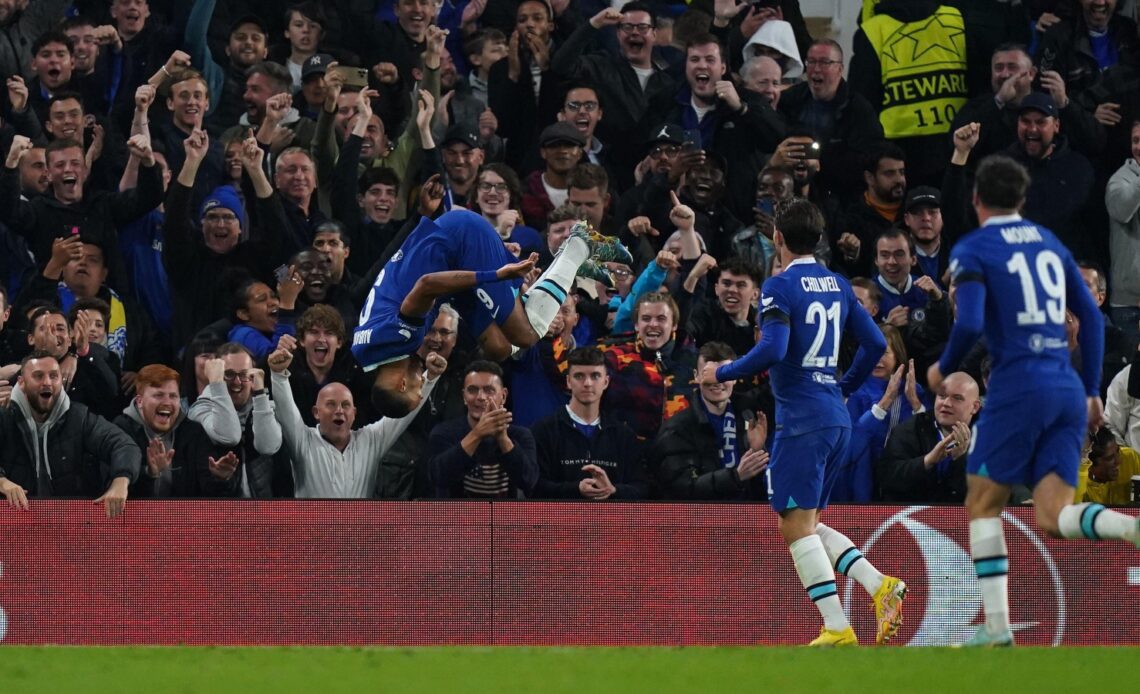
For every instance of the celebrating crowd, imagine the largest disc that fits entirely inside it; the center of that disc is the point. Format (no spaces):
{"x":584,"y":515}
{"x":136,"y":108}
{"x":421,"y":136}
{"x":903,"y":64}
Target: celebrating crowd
{"x":198,"y":202}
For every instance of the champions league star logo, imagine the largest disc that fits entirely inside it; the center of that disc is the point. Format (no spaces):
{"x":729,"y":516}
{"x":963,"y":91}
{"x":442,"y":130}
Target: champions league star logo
{"x":946,"y":605}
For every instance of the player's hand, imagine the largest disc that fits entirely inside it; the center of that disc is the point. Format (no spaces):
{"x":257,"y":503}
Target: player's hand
{"x":223,"y":468}
{"x":708,"y":375}
{"x":892,"y":392}
{"x":517,"y":270}
{"x":934,"y":377}
{"x":1096,"y":413}
{"x":435,"y":364}
{"x":16,"y":495}
{"x":752,"y":463}
{"x":114,"y":500}
{"x":927,"y":284}
{"x":597,"y":486}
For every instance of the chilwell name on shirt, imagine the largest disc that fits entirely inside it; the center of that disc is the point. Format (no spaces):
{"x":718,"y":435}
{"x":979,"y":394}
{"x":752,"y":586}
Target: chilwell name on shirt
{"x":819,"y":284}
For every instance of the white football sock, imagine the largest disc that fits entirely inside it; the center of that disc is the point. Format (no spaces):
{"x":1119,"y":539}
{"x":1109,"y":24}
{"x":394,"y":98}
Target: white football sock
{"x":848,"y":560}
{"x":1094,"y":522}
{"x":991,"y":562}
{"x":818,"y":579}
{"x":545,"y":297}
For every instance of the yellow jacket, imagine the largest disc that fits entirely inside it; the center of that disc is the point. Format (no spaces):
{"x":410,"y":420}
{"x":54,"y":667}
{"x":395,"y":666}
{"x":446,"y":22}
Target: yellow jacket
{"x":1119,"y":491}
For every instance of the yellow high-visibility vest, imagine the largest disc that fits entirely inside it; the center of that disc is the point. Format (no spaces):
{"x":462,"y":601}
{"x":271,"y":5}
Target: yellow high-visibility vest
{"x":924,"y":71}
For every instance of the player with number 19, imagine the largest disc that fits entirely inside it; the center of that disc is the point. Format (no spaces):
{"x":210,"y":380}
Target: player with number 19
{"x":1013,"y":281}
{"x":806,"y":309}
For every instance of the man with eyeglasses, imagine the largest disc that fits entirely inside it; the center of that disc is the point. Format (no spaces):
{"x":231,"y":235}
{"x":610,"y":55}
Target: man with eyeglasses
{"x":195,"y":259}
{"x":237,"y":414}
{"x":844,"y":123}
{"x":582,"y":109}
{"x":636,"y":87}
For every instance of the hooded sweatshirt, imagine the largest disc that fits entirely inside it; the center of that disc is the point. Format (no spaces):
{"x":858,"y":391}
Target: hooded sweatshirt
{"x":40,"y":433}
{"x":777,"y":34}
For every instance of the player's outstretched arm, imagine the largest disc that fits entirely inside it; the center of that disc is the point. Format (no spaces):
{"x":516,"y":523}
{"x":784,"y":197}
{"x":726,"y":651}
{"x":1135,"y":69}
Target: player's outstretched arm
{"x":771,"y":348}
{"x":872,"y":344}
{"x":971,"y":301}
{"x":437,"y":284}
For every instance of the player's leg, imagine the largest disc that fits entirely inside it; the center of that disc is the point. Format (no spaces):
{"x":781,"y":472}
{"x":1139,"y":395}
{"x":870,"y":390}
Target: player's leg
{"x":887,"y":592}
{"x":797,"y":490}
{"x":544,"y":298}
{"x":985,"y":500}
{"x":1055,"y":471}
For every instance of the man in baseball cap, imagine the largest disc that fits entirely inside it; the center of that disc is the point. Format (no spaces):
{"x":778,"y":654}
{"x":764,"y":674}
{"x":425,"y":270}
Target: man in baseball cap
{"x":1037,"y":125}
{"x":312,"y":94}
{"x":922,"y":216}
{"x":462,"y":156}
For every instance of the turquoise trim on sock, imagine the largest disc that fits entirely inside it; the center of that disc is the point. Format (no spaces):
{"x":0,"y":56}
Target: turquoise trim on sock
{"x":991,"y":566}
{"x":1088,"y":521}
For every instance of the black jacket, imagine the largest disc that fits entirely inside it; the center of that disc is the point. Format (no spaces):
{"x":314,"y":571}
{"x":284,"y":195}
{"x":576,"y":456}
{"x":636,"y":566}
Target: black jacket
{"x":190,"y":468}
{"x":84,"y":452}
{"x":97,"y":217}
{"x":857,"y":130}
{"x":709,"y":322}
{"x":193,"y":269}
{"x":686,"y":455}
{"x":521,"y":114}
{"x":450,"y":463}
{"x":1065,"y":47}
{"x":404,"y":472}
{"x":631,"y":113}
{"x":866,"y":223}
{"x":563,"y":450}
{"x":901,"y":475}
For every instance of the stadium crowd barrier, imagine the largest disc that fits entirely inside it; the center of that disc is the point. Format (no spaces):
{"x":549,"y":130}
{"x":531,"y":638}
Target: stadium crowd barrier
{"x":391,"y":573}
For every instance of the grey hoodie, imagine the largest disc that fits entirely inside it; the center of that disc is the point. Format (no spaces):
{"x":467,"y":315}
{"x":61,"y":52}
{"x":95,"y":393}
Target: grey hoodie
{"x":39,"y":433}
{"x":164,"y":483}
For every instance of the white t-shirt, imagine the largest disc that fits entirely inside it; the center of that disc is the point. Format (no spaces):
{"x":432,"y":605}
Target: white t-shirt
{"x":557,"y":196}
{"x":700,"y":108}
{"x":643,"y":75}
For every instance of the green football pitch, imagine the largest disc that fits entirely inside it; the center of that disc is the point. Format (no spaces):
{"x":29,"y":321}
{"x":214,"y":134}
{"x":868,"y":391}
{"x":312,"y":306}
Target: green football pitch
{"x":578,"y":670}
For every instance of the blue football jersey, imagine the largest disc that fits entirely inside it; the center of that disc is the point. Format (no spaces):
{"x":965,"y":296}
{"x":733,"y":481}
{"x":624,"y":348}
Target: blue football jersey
{"x":817,"y":303}
{"x":458,"y":240}
{"x":1028,"y":276}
